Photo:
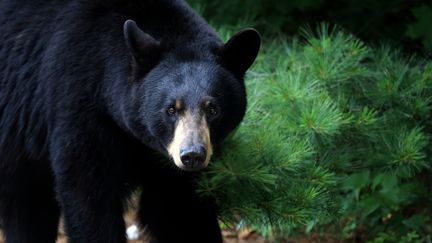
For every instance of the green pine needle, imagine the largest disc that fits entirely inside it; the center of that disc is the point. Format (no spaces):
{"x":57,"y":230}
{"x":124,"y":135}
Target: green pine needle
{"x":331,"y":125}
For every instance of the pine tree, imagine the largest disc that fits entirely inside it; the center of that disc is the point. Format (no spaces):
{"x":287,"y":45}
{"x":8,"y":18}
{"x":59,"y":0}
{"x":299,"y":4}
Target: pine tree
{"x":335,"y":131}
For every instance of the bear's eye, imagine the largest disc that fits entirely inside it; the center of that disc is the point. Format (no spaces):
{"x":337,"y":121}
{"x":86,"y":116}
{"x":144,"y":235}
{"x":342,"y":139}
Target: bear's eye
{"x":212,"y":110}
{"x":171,"y":111}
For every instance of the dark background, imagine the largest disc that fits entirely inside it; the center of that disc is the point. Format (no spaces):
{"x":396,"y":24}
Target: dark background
{"x":404,"y":23}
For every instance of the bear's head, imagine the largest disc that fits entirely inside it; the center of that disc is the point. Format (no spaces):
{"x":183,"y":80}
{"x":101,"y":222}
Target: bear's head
{"x":187,"y":101}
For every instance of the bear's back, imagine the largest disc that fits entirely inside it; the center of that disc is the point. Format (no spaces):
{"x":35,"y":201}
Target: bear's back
{"x":25,"y":31}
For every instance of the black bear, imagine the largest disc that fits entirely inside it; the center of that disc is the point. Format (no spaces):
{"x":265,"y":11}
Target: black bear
{"x":89,"y":90}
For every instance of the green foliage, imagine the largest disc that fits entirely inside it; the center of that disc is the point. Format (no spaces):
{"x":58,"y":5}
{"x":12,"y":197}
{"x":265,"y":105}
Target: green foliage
{"x":401,"y":21}
{"x":421,"y":28}
{"x":335,"y":132}
{"x":411,"y":237}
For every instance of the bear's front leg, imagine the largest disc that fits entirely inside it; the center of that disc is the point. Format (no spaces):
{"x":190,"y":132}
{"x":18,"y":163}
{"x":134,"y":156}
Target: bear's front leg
{"x":172,"y":211}
{"x":88,"y":187}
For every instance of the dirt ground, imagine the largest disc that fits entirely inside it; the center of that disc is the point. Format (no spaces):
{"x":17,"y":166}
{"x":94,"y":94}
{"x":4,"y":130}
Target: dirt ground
{"x":229,"y":236}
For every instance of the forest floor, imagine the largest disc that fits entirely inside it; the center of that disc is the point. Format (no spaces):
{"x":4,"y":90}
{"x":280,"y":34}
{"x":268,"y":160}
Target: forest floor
{"x":230,"y":236}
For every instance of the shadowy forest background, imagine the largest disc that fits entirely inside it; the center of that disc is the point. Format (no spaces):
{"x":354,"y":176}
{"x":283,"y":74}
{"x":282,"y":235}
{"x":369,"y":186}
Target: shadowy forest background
{"x":336,"y":143}
{"x":407,"y":23}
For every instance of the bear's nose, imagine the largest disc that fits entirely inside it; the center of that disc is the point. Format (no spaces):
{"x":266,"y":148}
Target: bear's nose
{"x":193,"y":156}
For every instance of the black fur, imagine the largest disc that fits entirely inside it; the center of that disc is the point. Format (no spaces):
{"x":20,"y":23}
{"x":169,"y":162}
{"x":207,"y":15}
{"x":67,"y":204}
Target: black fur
{"x":82,"y":108}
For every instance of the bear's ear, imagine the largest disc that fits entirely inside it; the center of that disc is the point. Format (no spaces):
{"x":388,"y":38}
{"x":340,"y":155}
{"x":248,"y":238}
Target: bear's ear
{"x":240,"y":51}
{"x":144,"y":49}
